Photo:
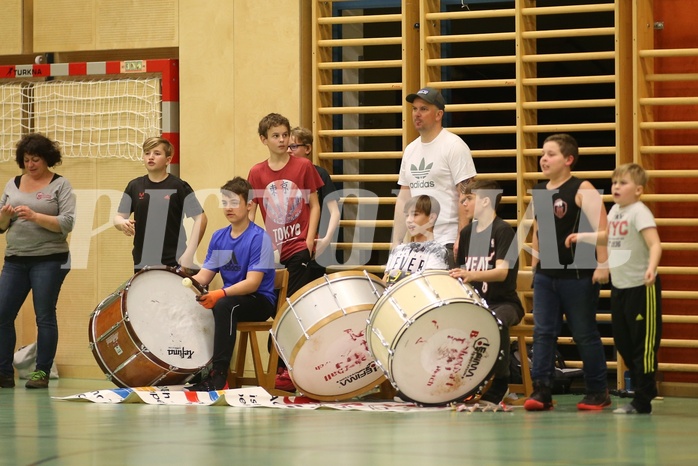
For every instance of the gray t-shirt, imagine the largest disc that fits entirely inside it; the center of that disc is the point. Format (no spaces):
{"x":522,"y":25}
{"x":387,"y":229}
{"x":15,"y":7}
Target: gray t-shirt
{"x":25,"y":238}
{"x":628,"y":254}
{"x":409,"y":258}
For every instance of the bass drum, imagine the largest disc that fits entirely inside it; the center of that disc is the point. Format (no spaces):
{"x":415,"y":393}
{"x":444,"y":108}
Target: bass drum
{"x":434,"y":338}
{"x":152,"y":331}
{"x":320,"y":335}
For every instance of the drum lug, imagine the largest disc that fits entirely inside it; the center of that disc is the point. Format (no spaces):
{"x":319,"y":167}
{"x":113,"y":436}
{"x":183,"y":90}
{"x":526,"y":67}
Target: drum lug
{"x":109,"y":332}
{"x":370,"y":282}
{"x":399,"y":309}
{"x":155,"y":381}
{"x":334,"y":296}
{"x":125,"y":363}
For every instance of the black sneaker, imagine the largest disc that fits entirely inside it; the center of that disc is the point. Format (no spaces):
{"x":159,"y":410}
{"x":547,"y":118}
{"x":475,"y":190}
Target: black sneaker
{"x":540,"y":400}
{"x":37,"y":379}
{"x":594,"y":401}
{"x":7,"y":381}
{"x":216,"y":380}
{"x":497,"y":391}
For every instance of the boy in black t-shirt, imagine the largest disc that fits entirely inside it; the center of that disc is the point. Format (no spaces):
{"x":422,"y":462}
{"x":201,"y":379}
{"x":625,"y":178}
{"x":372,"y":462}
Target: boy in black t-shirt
{"x":566,"y":280}
{"x":159,"y":201}
{"x":488,"y":259}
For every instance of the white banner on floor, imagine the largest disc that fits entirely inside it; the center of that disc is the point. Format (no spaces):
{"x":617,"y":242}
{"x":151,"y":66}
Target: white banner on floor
{"x":251,"y":397}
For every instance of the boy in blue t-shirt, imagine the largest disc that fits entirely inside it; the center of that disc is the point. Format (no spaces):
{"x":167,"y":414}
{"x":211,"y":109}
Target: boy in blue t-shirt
{"x":242,"y":253}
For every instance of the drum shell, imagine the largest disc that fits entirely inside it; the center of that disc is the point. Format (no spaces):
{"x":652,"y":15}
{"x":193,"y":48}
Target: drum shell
{"x":118,"y":347}
{"x":419,"y":321}
{"x":320,"y":335}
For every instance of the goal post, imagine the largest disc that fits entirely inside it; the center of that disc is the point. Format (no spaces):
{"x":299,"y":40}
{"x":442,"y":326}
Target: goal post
{"x":93,"y":109}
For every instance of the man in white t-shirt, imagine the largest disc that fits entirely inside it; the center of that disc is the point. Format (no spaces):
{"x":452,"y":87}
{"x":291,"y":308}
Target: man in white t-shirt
{"x":433,"y":164}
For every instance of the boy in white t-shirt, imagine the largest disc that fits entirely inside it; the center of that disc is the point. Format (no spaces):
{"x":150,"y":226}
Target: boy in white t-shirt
{"x":636,"y":307}
{"x":420,"y":251}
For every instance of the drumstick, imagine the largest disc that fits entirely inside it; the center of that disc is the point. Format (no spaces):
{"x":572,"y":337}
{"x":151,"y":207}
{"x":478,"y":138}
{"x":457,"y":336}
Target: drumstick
{"x":186,"y":282}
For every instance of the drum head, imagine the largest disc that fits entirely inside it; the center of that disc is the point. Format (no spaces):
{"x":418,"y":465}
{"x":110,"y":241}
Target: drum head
{"x":335,"y":363}
{"x":447,"y":353}
{"x":166,"y":318}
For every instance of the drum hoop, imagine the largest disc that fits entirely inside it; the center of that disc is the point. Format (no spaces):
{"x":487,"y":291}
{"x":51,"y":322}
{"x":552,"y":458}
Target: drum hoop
{"x":345,"y":396}
{"x":318,"y":326}
{"x":318,"y":282}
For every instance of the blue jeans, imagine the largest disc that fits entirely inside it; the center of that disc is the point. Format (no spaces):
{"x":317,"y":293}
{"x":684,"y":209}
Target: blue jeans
{"x":577,"y":300}
{"x":16,"y":280}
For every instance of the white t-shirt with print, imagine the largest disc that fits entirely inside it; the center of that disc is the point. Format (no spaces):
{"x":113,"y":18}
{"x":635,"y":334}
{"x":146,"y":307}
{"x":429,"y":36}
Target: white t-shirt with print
{"x":434,"y":169}
{"x":628,"y":254}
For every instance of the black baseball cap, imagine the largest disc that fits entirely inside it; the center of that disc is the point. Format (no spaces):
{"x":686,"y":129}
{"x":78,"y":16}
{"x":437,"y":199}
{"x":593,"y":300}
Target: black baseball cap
{"x":429,"y":94}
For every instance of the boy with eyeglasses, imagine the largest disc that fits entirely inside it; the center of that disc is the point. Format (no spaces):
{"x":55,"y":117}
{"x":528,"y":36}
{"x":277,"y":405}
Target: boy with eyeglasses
{"x":302,"y":146}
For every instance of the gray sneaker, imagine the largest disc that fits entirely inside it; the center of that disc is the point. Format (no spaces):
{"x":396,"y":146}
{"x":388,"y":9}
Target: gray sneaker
{"x":37,"y":379}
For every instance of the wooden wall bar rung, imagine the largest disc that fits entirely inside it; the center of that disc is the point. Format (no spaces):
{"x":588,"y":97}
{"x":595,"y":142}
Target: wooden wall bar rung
{"x":490,"y":106}
{"x":363,"y":19}
{"x":670,"y":197}
{"x":473,"y":84}
{"x":678,"y":270}
{"x":366,"y":42}
{"x":559,"y":33}
{"x":669,"y":149}
{"x":669,"y":101}
{"x":354,"y":200}
{"x":560,"y":10}
{"x":555,"y":104}
{"x":677,"y":222}
{"x":376,"y":269}
{"x":595,"y":79}
{"x":672,"y":77}
{"x":359,"y":155}
{"x":484,"y":130}
{"x":366,"y":223}
{"x":463,"y":38}
{"x":600,"y":150}
{"x":360,"y":110}
{"x":561,"y":57}
{"x":346,"y":65}
{"x":472,"y":14}
{"x":668,"y":53}
{"x":365,"y":178}
{"x":362,"y":246}
{"x":360,"y":87}
{"x":493,"y":60}
{"x":670,"y":125}
{"x":486,"y":153}
{"x":343,"y":133}
{"x":569,"y":128}
{"x":680,"y":246}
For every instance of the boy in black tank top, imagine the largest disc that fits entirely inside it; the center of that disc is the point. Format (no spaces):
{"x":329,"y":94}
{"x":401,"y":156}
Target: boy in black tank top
{"x":566,"y":280}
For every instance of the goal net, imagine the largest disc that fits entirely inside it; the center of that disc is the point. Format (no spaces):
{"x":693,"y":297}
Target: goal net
{"x":102,"y":114}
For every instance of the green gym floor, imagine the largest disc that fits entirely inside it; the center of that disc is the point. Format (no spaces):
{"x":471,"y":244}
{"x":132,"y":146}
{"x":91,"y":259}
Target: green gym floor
{"x":36,"y":429}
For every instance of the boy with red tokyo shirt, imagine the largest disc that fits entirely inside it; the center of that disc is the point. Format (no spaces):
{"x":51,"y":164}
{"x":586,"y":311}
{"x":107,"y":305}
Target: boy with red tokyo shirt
{"x":567,"y":280}
{"x":243,"y":255}
{"x":285,"y":188}
{"x":636,"y":306}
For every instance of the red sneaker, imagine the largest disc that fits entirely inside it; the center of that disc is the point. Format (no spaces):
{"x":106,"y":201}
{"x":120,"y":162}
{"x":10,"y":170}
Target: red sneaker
{"x":283,"y":380}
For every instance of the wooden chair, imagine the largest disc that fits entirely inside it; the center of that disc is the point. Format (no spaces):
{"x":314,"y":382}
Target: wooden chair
{"x":522,"y":331}
{"x":248,"y":332}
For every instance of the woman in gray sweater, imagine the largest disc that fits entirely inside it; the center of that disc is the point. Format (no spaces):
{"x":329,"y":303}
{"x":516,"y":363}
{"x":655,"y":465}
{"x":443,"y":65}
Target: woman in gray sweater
{"x":37,"y":211}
